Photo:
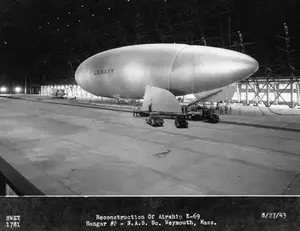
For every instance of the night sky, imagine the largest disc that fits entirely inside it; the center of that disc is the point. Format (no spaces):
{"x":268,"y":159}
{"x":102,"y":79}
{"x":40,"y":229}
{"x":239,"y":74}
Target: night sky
{"x":46,"y":40}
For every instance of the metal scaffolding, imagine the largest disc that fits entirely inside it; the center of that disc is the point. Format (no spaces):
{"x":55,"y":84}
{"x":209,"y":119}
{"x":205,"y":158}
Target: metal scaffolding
{"x":273,"y":90}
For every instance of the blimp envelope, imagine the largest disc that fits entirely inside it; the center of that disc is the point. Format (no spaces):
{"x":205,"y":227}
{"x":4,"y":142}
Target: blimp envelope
{"x":180,"y":68}
{"x":155,"y":95}
{"x":216,"y":95}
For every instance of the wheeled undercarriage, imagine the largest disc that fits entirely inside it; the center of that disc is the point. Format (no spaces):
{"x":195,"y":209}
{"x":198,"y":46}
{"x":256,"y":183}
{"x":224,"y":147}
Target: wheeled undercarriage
{"x":204,"y":114}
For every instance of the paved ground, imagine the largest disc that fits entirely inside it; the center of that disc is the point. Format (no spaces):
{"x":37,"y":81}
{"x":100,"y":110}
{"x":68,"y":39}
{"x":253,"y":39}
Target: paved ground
{"x":71,"y":150}
{"x":275,"y":117}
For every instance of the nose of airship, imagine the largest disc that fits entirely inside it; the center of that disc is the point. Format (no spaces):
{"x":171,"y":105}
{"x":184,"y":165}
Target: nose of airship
{"x":235,"y":66}
{"x":248,"y":66}
{"x":216,"y":67}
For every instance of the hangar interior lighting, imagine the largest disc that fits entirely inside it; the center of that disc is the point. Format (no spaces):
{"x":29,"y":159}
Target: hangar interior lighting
{"x":17,"y":89}
{"x":3,"y":89}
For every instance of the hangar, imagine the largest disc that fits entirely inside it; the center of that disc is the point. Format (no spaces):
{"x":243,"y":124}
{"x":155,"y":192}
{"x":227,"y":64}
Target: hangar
{"x":206,"y":159}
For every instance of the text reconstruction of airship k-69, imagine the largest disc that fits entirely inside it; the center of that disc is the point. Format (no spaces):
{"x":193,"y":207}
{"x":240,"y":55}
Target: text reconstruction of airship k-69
{"x":182,"y":69}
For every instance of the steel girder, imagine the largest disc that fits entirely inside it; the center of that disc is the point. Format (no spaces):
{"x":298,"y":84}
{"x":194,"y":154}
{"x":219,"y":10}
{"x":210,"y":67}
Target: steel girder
{"x":273,"y":84}
{"x":141,"y":30}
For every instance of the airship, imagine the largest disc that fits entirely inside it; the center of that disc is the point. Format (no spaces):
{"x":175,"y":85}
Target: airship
{"x":182,"y":69}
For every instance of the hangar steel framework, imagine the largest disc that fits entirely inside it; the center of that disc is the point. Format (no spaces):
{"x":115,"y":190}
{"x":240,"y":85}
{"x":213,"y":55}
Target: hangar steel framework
{"x":166,"y":21}
{"x":271,"y":88}
{"x":194,"y":21}
{"x":213,"y":23}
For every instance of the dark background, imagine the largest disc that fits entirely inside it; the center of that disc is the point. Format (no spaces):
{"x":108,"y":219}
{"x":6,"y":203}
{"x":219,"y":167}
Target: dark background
{"x":46,"y":40}
{"x":230,"y":213}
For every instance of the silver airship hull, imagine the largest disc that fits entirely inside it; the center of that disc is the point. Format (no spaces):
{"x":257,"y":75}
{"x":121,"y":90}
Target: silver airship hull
{"x":180,"y":68}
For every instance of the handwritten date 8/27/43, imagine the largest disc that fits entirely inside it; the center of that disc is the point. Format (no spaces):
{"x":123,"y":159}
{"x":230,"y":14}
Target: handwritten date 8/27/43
{"x":278,"y":215}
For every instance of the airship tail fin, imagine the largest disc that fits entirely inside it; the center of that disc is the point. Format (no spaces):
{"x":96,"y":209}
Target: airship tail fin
{"x":161,"y":99}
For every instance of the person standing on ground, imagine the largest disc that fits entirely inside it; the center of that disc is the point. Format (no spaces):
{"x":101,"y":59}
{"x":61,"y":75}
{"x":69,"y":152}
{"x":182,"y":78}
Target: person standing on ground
{"x":226,"y":108}
{"x":150,"y":106}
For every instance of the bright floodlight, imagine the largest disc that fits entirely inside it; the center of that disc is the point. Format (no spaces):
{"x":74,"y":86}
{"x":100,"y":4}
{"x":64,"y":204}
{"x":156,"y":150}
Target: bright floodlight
{"x":17,"y":89}
{"x":3,"y":89}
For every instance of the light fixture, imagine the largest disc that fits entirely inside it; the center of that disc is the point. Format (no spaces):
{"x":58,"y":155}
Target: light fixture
{"x":93,"y":15}
{"x":57,"y":18}
{"x":68,"y":25}
{"x":17,"y":89}
{"x":69,"y":12}
{"x":3,"y":89}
